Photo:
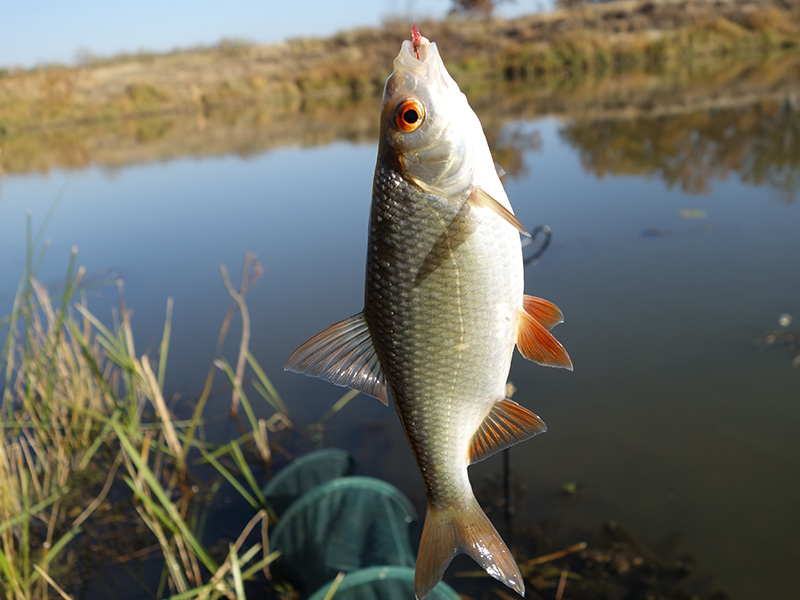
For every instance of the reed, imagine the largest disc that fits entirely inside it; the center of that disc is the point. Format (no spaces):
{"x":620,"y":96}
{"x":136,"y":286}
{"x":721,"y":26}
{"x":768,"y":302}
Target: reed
{"x":84,"y":419}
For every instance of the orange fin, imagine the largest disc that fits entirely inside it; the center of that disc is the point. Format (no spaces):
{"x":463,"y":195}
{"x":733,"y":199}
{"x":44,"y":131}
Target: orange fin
{"x":537,"y":344}
{"x":478,"y":197}
{"x":507,"y":424}
{"x":343,"y":354}
{"x":462,"y":530}
{"x":547,"y":313}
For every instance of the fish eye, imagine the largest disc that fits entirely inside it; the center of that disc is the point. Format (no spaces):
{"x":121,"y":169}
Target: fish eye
{"x":409,"y":115}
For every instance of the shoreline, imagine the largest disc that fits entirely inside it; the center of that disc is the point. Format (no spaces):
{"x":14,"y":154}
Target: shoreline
{"x":648,"y":36}
{"x":117,"y":142}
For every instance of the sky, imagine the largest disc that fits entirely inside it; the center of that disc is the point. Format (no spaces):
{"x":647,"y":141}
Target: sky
{"x":54,"y":31}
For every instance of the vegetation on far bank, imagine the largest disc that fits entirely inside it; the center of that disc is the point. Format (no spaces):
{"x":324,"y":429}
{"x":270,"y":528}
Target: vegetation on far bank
{"x":643,"y":35}
{"x":695,"y":126}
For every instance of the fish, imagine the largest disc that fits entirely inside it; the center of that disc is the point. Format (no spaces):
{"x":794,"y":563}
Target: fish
{"x":444,"y":307}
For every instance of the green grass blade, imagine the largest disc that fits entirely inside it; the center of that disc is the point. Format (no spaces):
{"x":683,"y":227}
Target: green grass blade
{"x":162,"y":358}
{"x":166,"y":503}
{"x":157,"y":510}
{"x":237,"y":573}
{"x":338,"y":405}
{"x":49,"y":215}
{"x":99,"y":440}
{"x":32,"y":510}
{"x":70,"y":285}
{"x":272,"y":394}
{"x":226,"y":449}
{"x":231,"y":479}
{"x":250,"y":554}
{"x":225,"y":366}
{"x":97,"y":324}
{"x":11,"y":575}
{"x":244,"y":468}
{"x":269,"y":559}
{"x":60,"y":544}
{"x":86,"y":352}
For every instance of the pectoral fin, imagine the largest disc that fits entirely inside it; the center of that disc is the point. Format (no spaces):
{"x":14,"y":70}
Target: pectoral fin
{"x":478,"y":197}
{"x":343,"y":354}
{"x":534,"y":340}
{"x":507,"y":424}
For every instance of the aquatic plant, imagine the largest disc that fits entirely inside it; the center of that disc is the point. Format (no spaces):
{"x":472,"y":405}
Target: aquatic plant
{"x":90,"y":448}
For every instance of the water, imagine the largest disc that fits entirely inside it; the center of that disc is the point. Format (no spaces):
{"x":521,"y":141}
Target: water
{"x":675,"y":247}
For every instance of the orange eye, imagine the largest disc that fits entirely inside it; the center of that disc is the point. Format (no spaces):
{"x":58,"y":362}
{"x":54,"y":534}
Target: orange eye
{"x":409,"y":115}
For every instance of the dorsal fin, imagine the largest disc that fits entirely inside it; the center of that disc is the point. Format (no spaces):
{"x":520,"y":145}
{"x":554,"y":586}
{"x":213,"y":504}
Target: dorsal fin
{"x":507,"y":424}
{"x":343,"y":354}
{"x":547,"y":313}
{"x":536,"y":343}
{"x":479,"y":197}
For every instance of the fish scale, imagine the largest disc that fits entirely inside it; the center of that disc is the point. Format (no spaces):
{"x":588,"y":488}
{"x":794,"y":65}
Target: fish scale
{"x":436,"y":372}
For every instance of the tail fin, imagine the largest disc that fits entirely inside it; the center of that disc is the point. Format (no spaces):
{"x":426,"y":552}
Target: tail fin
{"x":462,"y":530}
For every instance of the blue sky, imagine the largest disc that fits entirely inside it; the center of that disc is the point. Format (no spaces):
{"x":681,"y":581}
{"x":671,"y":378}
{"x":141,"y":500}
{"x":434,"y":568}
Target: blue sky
{"x":42,"y":31}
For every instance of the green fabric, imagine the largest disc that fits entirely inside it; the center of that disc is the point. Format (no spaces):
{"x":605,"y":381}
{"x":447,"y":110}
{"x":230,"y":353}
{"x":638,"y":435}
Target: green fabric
{"x":382,"y":583}
{"x":304,"y":474}
{"x":343,"y":525}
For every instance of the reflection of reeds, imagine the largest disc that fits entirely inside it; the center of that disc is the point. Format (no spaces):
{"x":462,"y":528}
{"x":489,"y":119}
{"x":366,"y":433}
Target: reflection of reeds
{"x":759,"y":142}
{"x":84,"y":418}
{"x":249,"y":131}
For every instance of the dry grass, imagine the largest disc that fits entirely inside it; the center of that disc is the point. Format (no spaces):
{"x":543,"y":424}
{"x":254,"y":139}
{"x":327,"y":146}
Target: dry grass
{"x":678,"y":88}
{"x":645,"y":34}
{"x":84,"y":416}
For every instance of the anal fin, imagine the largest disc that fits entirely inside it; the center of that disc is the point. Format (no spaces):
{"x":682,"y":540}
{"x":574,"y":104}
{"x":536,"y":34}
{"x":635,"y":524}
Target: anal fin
{"x":343,"y":354}
{"x":508,"y":423}
{"x":534,"y":340}
{"x":544,"y":311}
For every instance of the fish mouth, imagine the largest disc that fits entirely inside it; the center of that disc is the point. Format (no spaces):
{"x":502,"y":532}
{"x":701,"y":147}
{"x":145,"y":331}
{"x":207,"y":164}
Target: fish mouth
{"x":417,"y":57}
{"x":419,"y":63}
{"x":432,"y":154}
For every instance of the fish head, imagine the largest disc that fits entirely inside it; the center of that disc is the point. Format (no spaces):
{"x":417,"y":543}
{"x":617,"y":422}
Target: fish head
{"x":428,"y":130}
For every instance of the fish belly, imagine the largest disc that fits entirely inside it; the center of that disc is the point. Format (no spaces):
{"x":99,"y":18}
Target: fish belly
{"x":443,"y":290}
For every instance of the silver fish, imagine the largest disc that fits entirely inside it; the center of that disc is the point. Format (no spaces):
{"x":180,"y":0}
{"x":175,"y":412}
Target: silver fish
{"x":444,"y":307}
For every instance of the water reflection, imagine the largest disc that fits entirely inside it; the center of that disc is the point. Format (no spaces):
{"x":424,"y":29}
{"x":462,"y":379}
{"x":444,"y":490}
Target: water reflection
{"x":737,"y":106}
{"x":244,"y":133}
{"x":760,"y":143}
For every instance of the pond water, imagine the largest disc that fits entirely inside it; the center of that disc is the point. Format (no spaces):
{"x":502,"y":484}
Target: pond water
{"x":675,"y":248}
